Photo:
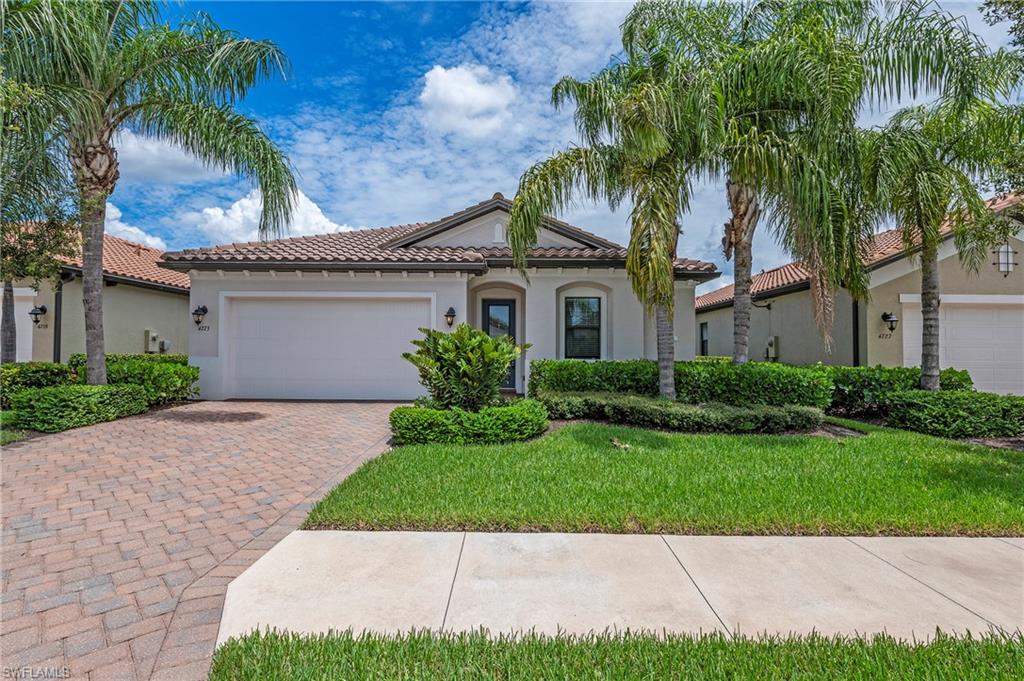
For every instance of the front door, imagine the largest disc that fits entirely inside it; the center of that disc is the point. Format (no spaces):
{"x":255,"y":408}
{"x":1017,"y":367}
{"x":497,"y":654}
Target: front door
{"x":499,"y":319}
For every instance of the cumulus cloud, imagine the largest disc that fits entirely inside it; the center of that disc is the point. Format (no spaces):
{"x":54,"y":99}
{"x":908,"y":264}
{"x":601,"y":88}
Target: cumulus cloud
{"x":116,"y":226}
{"x":144,"y":160}
{"x":240,"y":221}
{"x":467,"y":100}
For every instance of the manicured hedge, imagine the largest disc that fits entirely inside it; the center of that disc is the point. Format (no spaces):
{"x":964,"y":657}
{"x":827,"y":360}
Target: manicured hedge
{"x":58,"y":408}
{"x":163,"y":382}
{"x":958,"y":413}
{"x":648,"y":412}
{"x":77,"y":360}
{"x":696,"y":382}
{"x":18,"y":376}
{"x":862,"y":391}
{"x":512,"y":422}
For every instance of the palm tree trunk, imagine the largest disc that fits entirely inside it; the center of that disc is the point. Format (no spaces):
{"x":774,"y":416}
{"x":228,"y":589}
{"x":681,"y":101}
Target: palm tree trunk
{"x":738,"y":244}
{"x":9,"y":342}
{"x":666,"y":352}
{"x":930,"y":317}
{"x":95,"y":164}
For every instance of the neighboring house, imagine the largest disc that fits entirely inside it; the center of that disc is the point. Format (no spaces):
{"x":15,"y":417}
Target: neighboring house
{"x":145,"y":307}
{"x":981,"y":315}
{"x":329,"y":316}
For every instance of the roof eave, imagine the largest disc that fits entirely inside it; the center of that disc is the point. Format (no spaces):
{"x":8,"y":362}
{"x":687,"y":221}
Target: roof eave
{"x":131,"y":281}
{"x":317,"y":265}
{"x":760,"y":295}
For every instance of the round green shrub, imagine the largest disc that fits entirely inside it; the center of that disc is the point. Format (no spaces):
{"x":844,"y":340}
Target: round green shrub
{"x":18,"y":376}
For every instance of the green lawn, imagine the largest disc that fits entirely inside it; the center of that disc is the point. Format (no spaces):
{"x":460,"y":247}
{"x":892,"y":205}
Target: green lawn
{"x":7,"y":434}
{"x":473,"y":656}
{"x":577,"y":480}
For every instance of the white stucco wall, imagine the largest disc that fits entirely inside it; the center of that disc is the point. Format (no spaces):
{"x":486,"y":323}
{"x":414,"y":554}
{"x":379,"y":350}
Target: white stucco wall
{"x":627,"y":330}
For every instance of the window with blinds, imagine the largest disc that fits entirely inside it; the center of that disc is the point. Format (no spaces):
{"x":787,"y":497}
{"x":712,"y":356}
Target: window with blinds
{"x":582,"y":328}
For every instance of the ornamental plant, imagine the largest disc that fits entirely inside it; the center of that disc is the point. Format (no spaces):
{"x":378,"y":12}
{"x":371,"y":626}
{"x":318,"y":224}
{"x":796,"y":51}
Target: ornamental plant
{"x":464,"y":368}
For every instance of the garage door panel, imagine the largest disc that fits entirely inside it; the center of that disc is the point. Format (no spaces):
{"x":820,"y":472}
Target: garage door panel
{"x":325,"y":348}
{"x":985,"y":339}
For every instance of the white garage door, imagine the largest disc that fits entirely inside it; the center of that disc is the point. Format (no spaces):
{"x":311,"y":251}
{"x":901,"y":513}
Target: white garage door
{"x":987,"y":340}
{"x":324,"y":348}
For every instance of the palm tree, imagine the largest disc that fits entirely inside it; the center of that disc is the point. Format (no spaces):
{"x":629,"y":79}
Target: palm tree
{"x":921,"y":169}
{"x":792,"y":77}
{"x":635,"y":149}
{"x":126,"y":69}
{"x":35,"y":188}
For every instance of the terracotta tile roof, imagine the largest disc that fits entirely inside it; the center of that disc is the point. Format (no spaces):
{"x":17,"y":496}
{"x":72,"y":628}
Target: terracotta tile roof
{"x":123,"y":258}
{"x":396,"y":247}
{"x":883,"y":247}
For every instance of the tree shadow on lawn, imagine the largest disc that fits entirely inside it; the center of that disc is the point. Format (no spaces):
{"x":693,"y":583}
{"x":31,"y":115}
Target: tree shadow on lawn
{"x":981,"y":470}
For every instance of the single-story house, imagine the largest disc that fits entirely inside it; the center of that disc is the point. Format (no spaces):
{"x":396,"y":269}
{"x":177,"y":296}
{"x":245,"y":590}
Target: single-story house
{"x":981,"y":315}
{"x":145,"y":307}
{"x":329,"y":316}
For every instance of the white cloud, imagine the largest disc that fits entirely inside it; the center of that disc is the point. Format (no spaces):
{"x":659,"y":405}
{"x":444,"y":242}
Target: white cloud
{"x":240,"y":221}
{"x":467,"y":100}
{"x":117,"y":227}
{"x":144,"y":160}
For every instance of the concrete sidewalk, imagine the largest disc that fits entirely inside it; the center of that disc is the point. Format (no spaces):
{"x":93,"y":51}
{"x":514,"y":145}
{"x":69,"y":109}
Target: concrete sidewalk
{"x":576,"y":583}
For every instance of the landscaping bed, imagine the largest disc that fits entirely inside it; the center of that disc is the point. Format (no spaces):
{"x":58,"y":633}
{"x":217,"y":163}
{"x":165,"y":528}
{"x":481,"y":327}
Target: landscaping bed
{"x":424,"y":655}
{"x":599,"y":478}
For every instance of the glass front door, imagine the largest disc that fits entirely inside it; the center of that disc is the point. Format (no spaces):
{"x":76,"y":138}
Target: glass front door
{"x":499,"y":319}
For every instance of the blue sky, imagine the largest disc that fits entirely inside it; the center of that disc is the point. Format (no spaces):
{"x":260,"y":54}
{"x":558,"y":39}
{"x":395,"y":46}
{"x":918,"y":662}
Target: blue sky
{"x":403,"y":112}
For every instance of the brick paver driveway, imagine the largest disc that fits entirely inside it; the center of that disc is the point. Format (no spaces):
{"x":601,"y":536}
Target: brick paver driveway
{"x":119,"y":539}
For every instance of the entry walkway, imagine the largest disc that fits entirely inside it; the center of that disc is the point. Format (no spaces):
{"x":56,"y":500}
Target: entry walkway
{"x":315,"y":581}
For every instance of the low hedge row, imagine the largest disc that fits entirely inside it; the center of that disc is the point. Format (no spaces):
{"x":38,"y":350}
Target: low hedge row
{"x":696,"y":382}
{"x":77,"y":360}
{"x":18,"y":376}
{"x":863,"y":391}
{"x":956,"y":414}
{"x":61,"y":407}
{"x":162,"y":382}
{"x":512,"y":422}
{"x":648,"y":412}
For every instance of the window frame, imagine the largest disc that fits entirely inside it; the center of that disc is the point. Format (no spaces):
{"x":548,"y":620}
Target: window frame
{"x":704,"y":337}
{"x":566,"y":327}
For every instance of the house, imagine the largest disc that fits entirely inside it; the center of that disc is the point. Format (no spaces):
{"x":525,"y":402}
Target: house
{"x":145,"y":307}
{"x":328,"y":316}
{"x":981,"y":315}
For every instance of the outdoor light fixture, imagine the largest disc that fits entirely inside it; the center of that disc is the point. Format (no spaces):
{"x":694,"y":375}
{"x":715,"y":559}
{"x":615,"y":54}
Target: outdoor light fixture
{"x":1004,"y":259}
{"x":198,"y":314}
{"x":449,"y":316}
{"x":37,"y":312}
{"x":890,"y":320}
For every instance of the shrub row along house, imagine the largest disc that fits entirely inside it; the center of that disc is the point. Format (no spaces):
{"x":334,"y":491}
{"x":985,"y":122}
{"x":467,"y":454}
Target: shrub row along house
{"x":981,"y":315}
{"x":329,"y":316}
{"x":145,"y":307}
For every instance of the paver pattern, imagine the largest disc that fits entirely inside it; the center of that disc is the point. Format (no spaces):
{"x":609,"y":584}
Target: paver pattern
{"x":119,"y":539}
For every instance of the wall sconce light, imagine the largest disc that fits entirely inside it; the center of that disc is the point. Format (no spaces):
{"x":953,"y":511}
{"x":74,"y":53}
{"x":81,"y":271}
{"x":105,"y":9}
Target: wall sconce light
{"x":37,"y":312}
{"x":449,"y":316}
{"x":890,"y":320}
{"x":198,"y":314}
{"x":1004,"y":259}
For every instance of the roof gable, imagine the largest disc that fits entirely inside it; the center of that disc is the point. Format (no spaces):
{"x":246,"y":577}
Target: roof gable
{"x":561,"y":233}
